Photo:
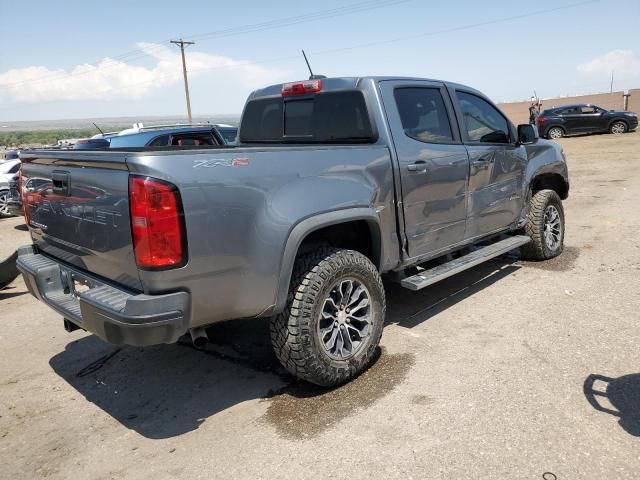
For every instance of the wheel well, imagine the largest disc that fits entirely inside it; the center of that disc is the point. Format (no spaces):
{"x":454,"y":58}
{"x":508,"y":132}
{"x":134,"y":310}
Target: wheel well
{"x":550,"y":181}
{"x":557,"y":126}
{"x":357,"y":235}
{"x":621,"y":120}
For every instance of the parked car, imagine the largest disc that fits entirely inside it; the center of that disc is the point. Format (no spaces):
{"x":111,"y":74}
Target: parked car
{"x":583,"y":118}
{"x":8,"y":170}
{"x":10,"y":155}
{"x":159,"y":136}
{"x":14,"y":203}
{"x":228,"y":132}
{"x":335,"y":182}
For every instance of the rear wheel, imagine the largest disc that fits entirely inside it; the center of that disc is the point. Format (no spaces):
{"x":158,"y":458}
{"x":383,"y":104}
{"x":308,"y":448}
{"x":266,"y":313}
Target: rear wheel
{"x":331,"y":327}
{"x":545,"y":226}
{"x":555,"y":132}
{"x":618,"y":128}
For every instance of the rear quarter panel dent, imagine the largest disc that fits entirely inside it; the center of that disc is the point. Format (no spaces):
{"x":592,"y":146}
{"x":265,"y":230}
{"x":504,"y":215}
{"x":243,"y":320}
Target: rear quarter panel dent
{"x":238,"y":219}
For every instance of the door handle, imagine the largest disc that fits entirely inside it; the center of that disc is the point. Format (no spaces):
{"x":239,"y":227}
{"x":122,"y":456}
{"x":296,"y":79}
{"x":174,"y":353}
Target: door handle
{"x":485,"y":160}
{"x":418,"y":167}
{"x":483,"y":163}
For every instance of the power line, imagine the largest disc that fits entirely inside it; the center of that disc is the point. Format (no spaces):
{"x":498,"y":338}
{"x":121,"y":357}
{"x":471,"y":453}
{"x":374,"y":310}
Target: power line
{"x":242,"y":29}
{"x":377,"y":43}
{"x":456,"y":29}
{"x":400,"y":39}
{"x":354,"y":8}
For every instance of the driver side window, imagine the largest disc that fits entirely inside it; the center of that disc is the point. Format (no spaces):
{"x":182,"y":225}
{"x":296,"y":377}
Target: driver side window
{"x":482,"y":121}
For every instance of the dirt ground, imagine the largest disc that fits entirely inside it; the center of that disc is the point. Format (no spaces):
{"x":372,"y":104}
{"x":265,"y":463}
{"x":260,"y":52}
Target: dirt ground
{"x":510,"y":370}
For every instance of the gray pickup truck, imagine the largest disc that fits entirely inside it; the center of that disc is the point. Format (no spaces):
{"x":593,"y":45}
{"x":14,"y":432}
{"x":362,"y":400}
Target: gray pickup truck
{"x":335,"y":182}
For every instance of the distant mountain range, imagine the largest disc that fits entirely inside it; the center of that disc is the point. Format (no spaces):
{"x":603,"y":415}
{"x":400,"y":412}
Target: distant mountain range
{"x":110,"y":123}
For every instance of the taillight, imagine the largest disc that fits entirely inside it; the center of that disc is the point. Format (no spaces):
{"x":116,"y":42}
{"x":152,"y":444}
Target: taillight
{"x":301,"y":88}
{"x":156,"y":223}
{"x":541,"y":119}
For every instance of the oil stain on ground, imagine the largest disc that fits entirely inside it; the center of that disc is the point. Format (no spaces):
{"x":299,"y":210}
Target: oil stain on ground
{"x":561,"y":263}
{"x":303,"y":411}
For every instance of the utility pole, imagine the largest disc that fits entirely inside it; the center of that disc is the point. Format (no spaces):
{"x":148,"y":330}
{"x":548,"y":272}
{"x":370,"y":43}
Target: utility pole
{"x":611,"y":87}
{"x":181,"y":43}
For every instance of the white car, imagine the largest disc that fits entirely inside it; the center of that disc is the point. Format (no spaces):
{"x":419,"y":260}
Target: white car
{"x":8,"y":169}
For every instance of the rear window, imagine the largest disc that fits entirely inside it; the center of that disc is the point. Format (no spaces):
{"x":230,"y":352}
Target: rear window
{"x":228,"y":134}
{"x":326,"y":117}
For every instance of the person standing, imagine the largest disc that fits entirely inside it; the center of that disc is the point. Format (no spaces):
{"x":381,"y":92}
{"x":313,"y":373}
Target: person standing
{"x":534,"y":110}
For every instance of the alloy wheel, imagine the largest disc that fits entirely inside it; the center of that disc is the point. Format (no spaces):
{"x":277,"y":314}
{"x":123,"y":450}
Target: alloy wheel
{"x":552,"y":228}
{"x":555,"y":133}
{"x":345,"y":319}
{"x":618,"y":128}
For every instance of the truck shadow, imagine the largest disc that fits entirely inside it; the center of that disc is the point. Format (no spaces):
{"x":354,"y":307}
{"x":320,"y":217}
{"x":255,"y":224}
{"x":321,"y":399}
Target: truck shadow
{"x":619,"y":397}
{"x":409,"y":309}
{"x":168,"y":390}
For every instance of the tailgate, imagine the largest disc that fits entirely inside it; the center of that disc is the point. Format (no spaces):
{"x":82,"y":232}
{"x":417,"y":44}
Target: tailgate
{"x":78,"y":211}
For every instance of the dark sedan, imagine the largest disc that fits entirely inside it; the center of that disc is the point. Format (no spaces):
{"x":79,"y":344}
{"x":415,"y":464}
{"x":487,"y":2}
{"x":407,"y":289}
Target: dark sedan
{"x":583,"y":118}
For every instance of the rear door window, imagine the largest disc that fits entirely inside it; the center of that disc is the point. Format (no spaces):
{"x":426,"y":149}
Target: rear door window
{"x":569,"y":111}
{"x":423,"y":114}
{"x":482,"y":121}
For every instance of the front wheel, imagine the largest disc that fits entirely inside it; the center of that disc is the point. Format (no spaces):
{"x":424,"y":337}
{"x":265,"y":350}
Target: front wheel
{"x":617,"y":128}
{"x":545,"y":226}
{"x":332,"y":324}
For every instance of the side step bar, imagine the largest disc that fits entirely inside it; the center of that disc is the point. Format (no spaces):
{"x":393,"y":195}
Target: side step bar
{"x":457,"y":265}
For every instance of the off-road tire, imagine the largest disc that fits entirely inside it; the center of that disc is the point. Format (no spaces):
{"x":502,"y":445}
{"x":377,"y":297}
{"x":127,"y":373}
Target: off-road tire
{"x":618,"y":127}
{"x":294,"y":331}
{"x":537,"y":248}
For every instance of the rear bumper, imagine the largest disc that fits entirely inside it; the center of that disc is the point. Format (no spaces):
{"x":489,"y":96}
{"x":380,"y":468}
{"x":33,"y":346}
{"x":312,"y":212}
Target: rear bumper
{"x":116,"y":315}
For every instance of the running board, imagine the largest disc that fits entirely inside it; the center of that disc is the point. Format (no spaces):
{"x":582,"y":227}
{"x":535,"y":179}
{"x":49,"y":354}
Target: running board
{"x":457,"y":265}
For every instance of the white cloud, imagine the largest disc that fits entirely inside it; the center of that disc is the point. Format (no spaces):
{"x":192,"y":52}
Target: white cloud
{"x":114,"y":79}
{"x":624,"y":64}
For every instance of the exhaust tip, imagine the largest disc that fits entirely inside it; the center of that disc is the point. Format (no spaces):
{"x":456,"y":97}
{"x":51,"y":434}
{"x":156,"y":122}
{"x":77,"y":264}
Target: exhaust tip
{"x":199,"y":337}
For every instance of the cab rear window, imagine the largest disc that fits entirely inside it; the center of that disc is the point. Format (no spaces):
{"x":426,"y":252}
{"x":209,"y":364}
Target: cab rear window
{"x":328,"y":117}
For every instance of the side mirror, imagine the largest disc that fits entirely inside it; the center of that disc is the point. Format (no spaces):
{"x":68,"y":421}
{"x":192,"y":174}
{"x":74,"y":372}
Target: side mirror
{"x":527,"y":134}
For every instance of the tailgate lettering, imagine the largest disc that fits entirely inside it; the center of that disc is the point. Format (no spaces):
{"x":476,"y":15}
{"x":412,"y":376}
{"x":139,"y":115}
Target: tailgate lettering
{"x":84,"y":213}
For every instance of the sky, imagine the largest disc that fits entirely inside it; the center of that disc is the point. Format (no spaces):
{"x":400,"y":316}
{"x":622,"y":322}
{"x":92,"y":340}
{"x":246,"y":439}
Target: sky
{"x":85,"y":59}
